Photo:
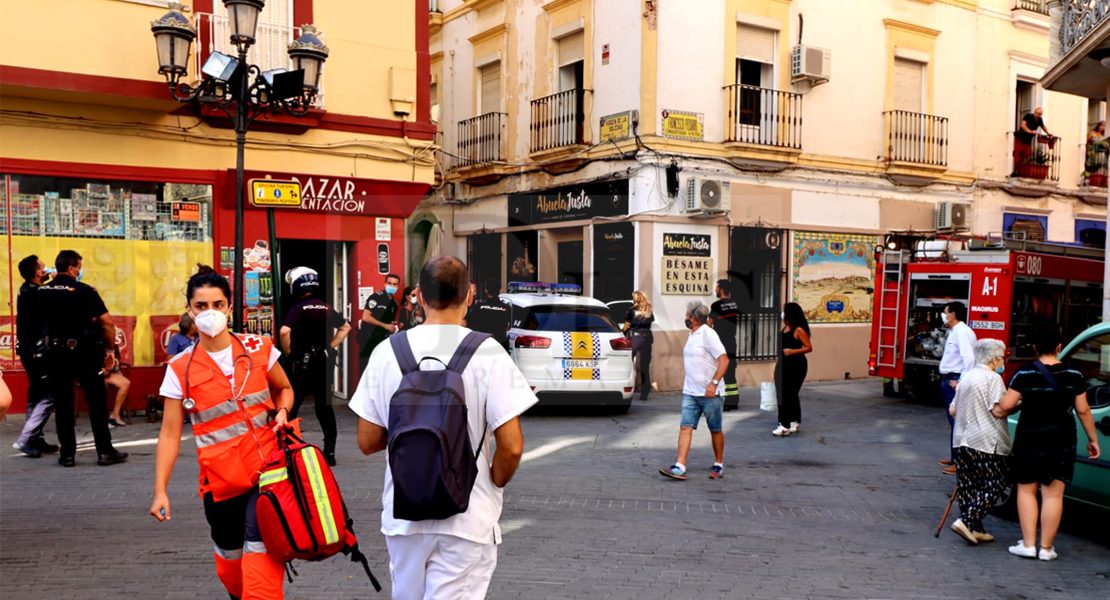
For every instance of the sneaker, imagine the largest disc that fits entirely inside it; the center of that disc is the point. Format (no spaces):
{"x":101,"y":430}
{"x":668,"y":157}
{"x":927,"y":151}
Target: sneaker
{"x":1020,"y":549}
{"x":962,"y":531}
{"x":716,"y":472}
{"x":41,"y":445}
{"x":1049,"y":554}
{"x":780,"y":431}
{"x":674,"y":473}
{"x":794,"y":425}
{"x":112,"y":458}
{"x":27,"y":449}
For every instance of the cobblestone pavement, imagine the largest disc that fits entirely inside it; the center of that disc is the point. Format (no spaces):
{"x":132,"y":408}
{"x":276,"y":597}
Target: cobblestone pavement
{"x":847,"y":509}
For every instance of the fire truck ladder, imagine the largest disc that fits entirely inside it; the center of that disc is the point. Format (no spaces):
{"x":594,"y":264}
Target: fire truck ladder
{"x":888,"y":312}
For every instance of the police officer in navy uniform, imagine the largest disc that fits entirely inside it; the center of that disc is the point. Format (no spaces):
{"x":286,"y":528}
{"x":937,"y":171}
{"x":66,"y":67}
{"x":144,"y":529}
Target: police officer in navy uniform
{"x":80,"y":344}
{"x":39,"y":402}
{"x":724,"y":318}
{"x":491,"y":314}
{"x":378,"y":319}
{"x":310,"y":336}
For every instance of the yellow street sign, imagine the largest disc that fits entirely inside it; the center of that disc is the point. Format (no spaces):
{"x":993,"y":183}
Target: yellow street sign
{"x":270,"y":192}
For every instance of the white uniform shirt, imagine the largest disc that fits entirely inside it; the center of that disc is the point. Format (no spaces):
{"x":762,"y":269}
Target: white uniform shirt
{"x":225,"y":359}
{"x":699,"y":357}
{"x":496,"y":392}
{"x":959,"y":350}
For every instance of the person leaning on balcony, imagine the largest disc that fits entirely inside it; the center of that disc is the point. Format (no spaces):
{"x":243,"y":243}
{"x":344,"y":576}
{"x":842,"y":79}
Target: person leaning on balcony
{"x":1096,"y":138}
{"x":1027,"y":131}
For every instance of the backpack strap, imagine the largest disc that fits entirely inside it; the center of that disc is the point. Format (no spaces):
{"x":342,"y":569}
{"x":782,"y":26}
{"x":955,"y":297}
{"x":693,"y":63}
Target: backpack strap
{"x":1043,"y":368}
{"x":466,"y":351}
{"x":403,"y":351}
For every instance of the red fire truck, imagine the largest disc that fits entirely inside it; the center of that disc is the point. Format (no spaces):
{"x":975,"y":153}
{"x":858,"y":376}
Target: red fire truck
{"x":1007,"y":286}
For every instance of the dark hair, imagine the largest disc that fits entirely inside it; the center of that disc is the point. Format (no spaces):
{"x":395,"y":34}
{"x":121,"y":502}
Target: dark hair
{"x":67,"y":259}
{"x":794,"y":316}
{"x":1046,"y":337}
{"x":185,"y":322}
{"x":444,"y":282}
{"x":393,"y":276}
{"x":959,"y":309}
{"x":492,"y":286}
{"x":207,"y":277}
{"x":725,"y":285}
{"x":407,"y":293}
{"x":29,"y":267}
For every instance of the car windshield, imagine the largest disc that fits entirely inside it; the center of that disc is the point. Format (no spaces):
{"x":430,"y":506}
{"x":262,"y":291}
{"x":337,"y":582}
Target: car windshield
{"x":566,"y":318}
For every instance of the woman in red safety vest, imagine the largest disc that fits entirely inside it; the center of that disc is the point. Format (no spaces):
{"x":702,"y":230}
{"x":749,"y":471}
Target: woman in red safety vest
{"x":227,"y":384}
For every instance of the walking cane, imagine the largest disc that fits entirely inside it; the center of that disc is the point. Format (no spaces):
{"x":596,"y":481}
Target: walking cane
{"x":946,"y":511}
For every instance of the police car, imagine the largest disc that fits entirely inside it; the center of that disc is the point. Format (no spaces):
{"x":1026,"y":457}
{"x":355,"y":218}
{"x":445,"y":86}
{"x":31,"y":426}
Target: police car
{"x":568,"y":347}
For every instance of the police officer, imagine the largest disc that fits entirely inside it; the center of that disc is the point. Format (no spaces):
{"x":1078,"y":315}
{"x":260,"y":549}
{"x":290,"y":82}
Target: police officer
{"x":80,"y":341}
{"x":724,"y":318}
{"x":39,"y":401}
{"x":491,"y":314}
{"x":308,"y":339}
{"x":378,"y":319}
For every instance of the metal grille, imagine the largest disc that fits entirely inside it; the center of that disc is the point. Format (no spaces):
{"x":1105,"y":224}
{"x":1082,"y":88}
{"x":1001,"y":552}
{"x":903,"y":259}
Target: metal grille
{"x":1039,"y":6}
{"x":480,"y":139}
{"x":763,"y":116}
{"x":916,"y":138}
{"x":755,"y":272}
{"x":1037,"y":157}
{"x":557,"y":120}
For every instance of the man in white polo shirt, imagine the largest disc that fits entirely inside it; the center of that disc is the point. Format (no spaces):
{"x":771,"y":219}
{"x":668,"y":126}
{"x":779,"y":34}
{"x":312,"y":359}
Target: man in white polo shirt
{"x":453,"y":557}
{"x":958,"y":358}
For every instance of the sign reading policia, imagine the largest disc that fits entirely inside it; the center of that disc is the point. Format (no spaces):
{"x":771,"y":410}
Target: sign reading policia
{"x":572,"y":203}
{"x":687,"y":266}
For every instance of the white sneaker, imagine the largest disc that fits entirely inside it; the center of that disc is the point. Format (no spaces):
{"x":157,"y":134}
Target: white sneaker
{"x":1049,"y":554}
{"x":780,"y":431}
{"x":794,"y":425}
{"x":1020,"y":549}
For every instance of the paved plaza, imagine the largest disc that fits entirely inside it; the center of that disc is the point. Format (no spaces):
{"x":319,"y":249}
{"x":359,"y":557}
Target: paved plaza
{"x":847,"y":509}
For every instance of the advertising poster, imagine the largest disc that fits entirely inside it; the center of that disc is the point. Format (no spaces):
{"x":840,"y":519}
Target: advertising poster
{"x":8,"y":360}
{"x":125,"y":338}
{"x":521,"y":256}
{"x":834,"y":276}
{"x":164,"y":328}
{"x":687,"y":264}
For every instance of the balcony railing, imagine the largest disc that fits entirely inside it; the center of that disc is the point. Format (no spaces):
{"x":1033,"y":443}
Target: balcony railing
{"x":1095,"y":164}
{"x":481,"y":139}
{"x":1037,"y":6}
{"x":916,"y":138}
{"x":270,"y":50}
{"x":1081,"y":18}
{"x":558,"y":120}
{"x":762,"y":116}
{"x":1037,"y":156}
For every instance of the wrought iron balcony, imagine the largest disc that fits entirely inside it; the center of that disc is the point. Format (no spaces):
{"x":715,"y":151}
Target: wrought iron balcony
{"x":1095,"y":164}
{"x":763,"y":116}
{"x":1081,"y":18}
{"x":916,"y":138}
{"x":1037,"y":157}
{"x":1037,"y":6}
{"x":481,"y":140}
{"x":558,"y":120}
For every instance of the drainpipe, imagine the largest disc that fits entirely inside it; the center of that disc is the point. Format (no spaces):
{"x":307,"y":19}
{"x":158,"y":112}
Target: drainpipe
{"x":1056,"y":21}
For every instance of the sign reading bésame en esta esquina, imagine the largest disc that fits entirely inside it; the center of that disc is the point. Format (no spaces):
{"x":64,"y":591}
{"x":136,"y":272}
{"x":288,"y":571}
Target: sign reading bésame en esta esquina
{"x":687,"y":264}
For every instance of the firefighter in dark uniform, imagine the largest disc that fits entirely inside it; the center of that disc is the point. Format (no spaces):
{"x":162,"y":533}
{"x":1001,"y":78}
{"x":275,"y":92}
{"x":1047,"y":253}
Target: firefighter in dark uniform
{"x":724,"y":318}
{"x":378,"y":318}
{"x":310,"y":336}
{"x":491,"y":314}
{"x":80,"y":344}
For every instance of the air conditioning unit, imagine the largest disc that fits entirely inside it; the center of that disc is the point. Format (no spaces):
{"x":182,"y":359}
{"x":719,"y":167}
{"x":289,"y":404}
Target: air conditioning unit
{"x":953,"y":215}
{"x":811,"y":63}
{"x":707,"y":196}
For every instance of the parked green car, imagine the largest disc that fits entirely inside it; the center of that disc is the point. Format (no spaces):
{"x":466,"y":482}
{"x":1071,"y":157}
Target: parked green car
{"x":1089,"y":353}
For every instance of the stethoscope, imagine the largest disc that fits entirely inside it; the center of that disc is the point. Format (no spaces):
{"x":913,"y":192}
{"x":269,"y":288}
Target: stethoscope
{"x":188,"y":403}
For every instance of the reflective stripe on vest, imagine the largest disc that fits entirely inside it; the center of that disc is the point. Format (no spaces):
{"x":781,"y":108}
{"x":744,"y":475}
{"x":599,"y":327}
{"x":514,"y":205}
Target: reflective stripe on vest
{"x":272,"y":477}
{"x":232,"y":431}
{"x":228,"y":407}
{"x":320,"y":493}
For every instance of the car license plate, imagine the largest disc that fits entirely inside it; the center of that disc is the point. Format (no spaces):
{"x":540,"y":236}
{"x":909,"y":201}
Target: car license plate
{"x":580,"y":364}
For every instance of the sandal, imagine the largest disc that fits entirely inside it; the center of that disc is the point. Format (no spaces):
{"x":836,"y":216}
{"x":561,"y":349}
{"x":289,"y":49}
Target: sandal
{"x":112,"y":423}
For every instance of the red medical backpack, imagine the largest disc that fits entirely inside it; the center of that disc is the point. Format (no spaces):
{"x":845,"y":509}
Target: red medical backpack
{"x":300,"y":509}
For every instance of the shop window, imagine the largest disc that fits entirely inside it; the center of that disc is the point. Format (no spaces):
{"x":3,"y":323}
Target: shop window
{"x":1032,"y":228}
{"x":1090,"y":233}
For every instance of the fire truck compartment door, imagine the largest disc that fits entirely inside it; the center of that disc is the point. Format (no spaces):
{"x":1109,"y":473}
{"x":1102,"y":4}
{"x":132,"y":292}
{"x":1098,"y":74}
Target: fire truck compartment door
{"x":1045,"y":280}
{"x":940,"y":276}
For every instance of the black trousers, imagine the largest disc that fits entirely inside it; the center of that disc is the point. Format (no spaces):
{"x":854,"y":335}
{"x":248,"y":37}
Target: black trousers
{"x":732,"y":390}
{"x":233,"y":521}
{"x":641,"y":344}
{"x":790,"y":374}
{"x":316,"y":379}
{"x":65,"y":367}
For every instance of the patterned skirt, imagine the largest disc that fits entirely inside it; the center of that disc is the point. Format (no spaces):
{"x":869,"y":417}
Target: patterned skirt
{"x":981,"y":477}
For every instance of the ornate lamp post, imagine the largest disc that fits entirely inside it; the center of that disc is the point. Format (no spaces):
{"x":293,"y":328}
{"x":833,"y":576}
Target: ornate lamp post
{"x":240,"y":90}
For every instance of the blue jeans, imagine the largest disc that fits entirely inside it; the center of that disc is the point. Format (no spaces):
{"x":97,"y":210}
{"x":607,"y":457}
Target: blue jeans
{"x":949,"y":394}
{"x":693,"y":407}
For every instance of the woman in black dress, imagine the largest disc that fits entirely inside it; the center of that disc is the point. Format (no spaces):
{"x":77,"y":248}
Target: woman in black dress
{"x":405,"y":315}
{"x":791,"y":370}
{"x":1045,"y":440}
{"x":638,"y":325}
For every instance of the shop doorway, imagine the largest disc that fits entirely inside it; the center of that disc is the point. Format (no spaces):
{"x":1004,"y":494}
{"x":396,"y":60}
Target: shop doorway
{"x":755,"y":272}
{"x":570,"y":262}
{"x":330,"y":260}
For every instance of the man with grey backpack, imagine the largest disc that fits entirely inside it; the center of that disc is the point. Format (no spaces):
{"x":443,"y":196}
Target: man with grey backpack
{"x":432,"y":397}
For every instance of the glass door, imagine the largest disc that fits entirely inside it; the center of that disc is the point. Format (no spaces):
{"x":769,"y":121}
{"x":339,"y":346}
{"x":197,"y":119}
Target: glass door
{"x":342,"y":301}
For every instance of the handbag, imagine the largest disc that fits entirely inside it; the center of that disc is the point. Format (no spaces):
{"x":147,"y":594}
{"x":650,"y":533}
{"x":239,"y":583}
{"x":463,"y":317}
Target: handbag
{"x":768,"y":398}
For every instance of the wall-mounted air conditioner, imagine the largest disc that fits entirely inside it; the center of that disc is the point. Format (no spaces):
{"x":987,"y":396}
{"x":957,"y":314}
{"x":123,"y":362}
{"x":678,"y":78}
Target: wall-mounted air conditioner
{"x":953,"y":215}
{"x":707,"y":197}
{"x":810,"y":63}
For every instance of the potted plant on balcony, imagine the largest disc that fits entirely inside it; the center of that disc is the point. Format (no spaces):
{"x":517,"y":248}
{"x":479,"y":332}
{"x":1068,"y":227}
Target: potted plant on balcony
{"x":1034,"y":167}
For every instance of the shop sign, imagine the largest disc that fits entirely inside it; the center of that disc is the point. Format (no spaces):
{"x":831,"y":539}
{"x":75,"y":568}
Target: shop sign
{"x":186,"y":211}
{"x":273,"y":193}
{"x":339,"y":195}
{"x":572,"y":203}
{"x":683,"y":125}
{"x":616,"y":127}
{"x":686,"y":244}
{"x":687,"y":276}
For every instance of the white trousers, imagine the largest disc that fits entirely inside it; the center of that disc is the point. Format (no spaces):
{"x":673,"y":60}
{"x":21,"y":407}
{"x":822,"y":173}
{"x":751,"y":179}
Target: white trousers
{"x":439,"y":567}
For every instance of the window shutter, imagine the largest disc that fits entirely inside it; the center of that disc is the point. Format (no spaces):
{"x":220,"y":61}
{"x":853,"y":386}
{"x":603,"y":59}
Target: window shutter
{"x":572,"y":49}
{"x":491,"y":88}
{"x":909,"y":85}
{"x":755,"y":44}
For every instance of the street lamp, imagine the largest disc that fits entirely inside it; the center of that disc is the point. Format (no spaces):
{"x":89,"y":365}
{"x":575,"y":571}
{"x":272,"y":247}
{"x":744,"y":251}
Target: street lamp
{"x":240,"y":90}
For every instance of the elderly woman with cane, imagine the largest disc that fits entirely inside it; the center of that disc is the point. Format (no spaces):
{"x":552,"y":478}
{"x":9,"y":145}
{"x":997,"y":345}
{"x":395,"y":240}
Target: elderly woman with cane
{"x":981,"y":441}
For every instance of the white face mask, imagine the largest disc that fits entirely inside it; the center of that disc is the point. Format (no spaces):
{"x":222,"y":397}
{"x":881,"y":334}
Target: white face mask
{"x":211,"y":322}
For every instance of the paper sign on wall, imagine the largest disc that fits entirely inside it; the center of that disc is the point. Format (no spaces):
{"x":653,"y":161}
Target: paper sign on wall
{"x":383,"y":230}
{"x":364,"y":294}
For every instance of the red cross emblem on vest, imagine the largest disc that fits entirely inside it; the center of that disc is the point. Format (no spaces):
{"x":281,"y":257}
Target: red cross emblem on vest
{"x":252,"y":343}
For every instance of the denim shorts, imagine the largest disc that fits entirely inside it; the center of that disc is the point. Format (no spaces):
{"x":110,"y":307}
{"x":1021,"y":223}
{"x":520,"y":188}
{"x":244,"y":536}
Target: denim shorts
{"x":693,"y":407}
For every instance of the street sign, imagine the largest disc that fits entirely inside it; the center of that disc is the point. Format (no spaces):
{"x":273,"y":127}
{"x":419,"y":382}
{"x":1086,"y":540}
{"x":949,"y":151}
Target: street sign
{"x":271,"y":192}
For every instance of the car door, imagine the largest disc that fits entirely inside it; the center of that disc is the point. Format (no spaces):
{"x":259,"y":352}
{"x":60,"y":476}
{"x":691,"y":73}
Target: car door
{"x":618,"y":311}
{"x":1091,"y":481}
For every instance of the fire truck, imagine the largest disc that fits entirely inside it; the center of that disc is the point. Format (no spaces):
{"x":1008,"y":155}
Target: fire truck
{"x":1008,"y":286}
